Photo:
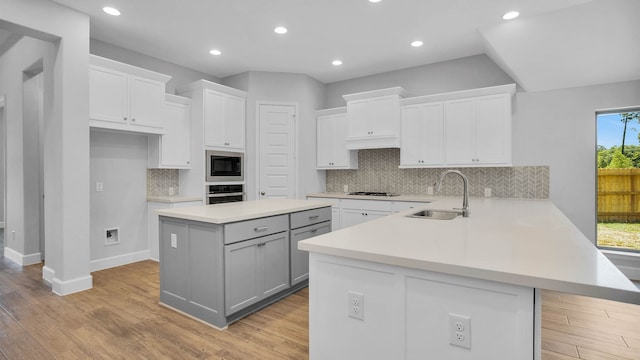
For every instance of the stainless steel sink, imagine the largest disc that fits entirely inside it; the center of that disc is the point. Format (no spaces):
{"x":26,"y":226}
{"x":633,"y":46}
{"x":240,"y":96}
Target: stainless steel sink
{"x":436,"y":214}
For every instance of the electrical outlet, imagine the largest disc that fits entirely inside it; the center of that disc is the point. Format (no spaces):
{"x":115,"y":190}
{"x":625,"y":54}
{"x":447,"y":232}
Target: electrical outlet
{"x":99,"y":186}
{"x":174,"y":241}
{"x":356,"y":305}
{"x":430,"y":190}
{"x":460,"y":331}
{"x":346,"y":188}
{"x":487,"y":192}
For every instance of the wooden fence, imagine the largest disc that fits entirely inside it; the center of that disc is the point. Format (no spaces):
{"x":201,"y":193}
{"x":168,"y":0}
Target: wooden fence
{"x":618,"y":195}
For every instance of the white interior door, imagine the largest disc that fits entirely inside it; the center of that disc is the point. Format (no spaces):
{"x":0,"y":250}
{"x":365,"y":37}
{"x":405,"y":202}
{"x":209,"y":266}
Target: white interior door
{"x":276,"y":158}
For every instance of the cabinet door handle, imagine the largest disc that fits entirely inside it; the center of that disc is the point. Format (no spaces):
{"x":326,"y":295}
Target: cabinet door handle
{"x":133,"y":119}
{"x":262,"y":193}
{"x":314,"y":217}
{"x":260,"y":244}
{"x":125,"y":118}
{"x":261,"y":228}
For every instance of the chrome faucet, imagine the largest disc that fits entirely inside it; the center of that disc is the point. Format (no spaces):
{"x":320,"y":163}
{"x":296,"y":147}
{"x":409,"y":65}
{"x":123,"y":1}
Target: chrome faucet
{"x":465,"y":197}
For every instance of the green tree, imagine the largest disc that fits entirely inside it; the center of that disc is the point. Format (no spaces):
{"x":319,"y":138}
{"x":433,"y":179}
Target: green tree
{"x":625,"y":118}
{"x":620,"y":161}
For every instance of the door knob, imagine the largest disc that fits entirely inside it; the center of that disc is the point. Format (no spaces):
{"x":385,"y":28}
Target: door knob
{"x":262,"y":193}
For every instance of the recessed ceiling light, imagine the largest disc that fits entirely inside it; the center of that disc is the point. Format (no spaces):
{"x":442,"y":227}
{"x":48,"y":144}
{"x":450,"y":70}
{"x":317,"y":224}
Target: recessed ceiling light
{"x":510,"y":15}
{"x":336,"y":62}
{"x":111,"y":11}
{"x":416,"y":43}
{"x":280,"y":30}
{"x":215,"y":52}
{"x":374,"y":1}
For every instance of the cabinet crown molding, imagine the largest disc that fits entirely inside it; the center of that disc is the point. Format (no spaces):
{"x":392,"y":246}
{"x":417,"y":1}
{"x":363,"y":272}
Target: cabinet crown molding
{"x":129,"y":69}
{"x":376,"y":93}
{"x":491,"y":90}
{"x":332,"y":111}
{"x":201,"y":85}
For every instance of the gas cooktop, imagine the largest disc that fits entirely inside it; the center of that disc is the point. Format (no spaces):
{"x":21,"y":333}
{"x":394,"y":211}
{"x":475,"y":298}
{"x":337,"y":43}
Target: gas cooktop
{"x":372,"y":193}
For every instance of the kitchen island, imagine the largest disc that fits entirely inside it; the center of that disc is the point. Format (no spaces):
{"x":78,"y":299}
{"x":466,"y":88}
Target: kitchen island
{"x":221,"y":262}
{"x":410,"y":288}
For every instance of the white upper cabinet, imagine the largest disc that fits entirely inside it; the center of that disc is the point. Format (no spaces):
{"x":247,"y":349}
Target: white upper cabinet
{"x":224,"y":120}
{"x":331,"y":147}
{"x":172,"y":150}
{"x":374,"y":119}
{"x":221,"y":111}
{"x":464,"y":128}
{"x":478,"y":131}
{"x":125,"y":97}
{"x":422,"y":135}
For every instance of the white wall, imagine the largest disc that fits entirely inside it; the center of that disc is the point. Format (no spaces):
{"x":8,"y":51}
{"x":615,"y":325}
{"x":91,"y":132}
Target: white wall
{"x":180,"y":75}
{"x":32,"y":124}
{"x":459,"y":74}
{"x":66,"y":135}
{"x":308,"y":94}
{"x":558,"y":128}
{"x":22,"y":160}
{"x":3,"y":141}
{"x":119,"y":161}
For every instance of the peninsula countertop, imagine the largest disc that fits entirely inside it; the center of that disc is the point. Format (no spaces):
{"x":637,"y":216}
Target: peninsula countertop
{"x":242,"y":210}
{"x":523,"y":242}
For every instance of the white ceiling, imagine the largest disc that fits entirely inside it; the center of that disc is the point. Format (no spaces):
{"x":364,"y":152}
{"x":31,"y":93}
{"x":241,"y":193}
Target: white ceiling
{"x":595,"y":43}
{"x":369,"y":38}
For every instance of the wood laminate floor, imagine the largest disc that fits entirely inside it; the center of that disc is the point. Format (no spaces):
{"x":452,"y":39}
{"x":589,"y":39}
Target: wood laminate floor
{"x":120,"y":319}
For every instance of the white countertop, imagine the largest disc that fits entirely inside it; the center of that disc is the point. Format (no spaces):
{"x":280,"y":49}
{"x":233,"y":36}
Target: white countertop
{"x":523,"y":242}
{"x":341,"y":195}
{"x":173,"y":198}
{"x":242,"y":210}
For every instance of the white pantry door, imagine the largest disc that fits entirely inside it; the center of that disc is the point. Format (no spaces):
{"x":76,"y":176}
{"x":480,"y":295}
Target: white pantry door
{"x":277,"y":151}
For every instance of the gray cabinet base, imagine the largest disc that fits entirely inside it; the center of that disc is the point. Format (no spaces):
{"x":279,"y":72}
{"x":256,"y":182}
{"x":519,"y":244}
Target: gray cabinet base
{"x":220,"y":322}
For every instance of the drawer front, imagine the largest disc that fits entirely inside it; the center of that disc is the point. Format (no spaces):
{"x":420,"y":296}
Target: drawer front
{"x":310,"y":217}
{"x":406,"y":205}
{"x":380,"y":205}
{"x":250,"y":229}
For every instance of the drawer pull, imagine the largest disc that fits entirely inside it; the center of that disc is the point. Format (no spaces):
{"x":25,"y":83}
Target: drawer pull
{"x":261,"y":228}
{"x":314,"y":231}
{"x":314,"y":217}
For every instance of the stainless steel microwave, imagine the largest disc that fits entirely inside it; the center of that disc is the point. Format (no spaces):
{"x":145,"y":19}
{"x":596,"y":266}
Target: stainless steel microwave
{"x":224,"y":166}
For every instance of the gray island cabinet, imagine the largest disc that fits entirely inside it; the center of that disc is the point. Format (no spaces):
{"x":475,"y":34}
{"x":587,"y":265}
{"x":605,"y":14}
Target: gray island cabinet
{"x":221,"y":262}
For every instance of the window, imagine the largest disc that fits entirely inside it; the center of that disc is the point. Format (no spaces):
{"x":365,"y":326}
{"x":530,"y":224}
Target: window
{"x":618,"y":181}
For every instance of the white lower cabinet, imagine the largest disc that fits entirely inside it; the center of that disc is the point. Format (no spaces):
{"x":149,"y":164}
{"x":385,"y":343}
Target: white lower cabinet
{"x":349,"y":212}
{"x":350,"y":217}
{"x":353,"y":212}
{"x":412,"y":314}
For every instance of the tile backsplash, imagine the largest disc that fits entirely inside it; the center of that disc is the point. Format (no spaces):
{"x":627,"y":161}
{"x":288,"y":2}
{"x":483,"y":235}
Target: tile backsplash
{"x":378,"y":171}
{"x":160,"y":180}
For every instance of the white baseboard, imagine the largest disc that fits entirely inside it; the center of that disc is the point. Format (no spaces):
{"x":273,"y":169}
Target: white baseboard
{"x":119,"y":260}
{"x":48,"y":274}
{"x":66,"y":287}
{"x":627,"y":262}
{"x":21,"y":259}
